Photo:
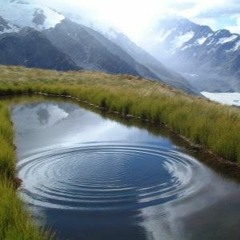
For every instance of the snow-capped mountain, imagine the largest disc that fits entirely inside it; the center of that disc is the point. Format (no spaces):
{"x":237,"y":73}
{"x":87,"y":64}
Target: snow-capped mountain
{"x":21,"y":13}
{"x":121,"y":46}
{"x":7,"y":27}
{"x":29,"y":32}
{"x":144,"y":58}
{"x":211,"y":59}
{"x":22,"y":43}
{"x":173,"y":36}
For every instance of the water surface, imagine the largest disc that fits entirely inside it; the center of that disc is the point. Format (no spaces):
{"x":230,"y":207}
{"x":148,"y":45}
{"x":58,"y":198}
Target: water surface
{"x":92,"y":178}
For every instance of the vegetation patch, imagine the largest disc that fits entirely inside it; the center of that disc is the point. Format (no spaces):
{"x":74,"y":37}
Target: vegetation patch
{"x":209,"y":124}
{"x":203,"y":122}
{"x":15,"y":222}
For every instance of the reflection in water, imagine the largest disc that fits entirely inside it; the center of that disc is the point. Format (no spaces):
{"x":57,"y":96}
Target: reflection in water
{"x":95,"y":179}
{"x":108,"y":176}
{"x":43,"y":116}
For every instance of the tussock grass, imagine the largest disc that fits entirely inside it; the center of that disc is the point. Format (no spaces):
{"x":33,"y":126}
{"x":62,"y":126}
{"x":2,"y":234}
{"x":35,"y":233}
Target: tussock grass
{"x":15,"y":223}
{"x":212,"y":125}
{"x":209,"y":124}
{"x":7,"y":155}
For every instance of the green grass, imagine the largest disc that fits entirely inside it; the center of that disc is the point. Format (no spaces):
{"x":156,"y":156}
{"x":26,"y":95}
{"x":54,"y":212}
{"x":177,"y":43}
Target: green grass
{"x":15,"y":223}
{"x":7,"y":156}
{"x":211,"y":125}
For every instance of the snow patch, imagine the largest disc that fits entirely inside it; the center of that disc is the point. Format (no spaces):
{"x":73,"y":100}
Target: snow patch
{"x":227,"y":39}
{"x":190,"y":74}
{"x":161,"y":37}
{"x":12,"y":29}
{"x":180,"y":40}
{"x":23,"y":15}
{"x":224,"y":98}
{"x":236,"y":47}
{"x":201,"y":40}
{"x":211,"y":42}
{"x":186,"y":47}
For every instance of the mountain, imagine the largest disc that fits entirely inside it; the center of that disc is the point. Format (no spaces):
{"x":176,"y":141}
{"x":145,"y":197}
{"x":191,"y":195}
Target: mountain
{"x":25,"y":14}
{"x":7,"y":27}
{"x":174,"y":36}
{"x":143,"y":57}
{"x":22,"y":43}
{"x":31,"y":48}
{"x":86,"y":47}
{"x":72,"y":45}
{"x":210,"y":60}
{"x":91,"y":50}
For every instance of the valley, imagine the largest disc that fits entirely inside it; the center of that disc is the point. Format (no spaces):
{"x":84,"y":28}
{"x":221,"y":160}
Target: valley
{"x":119,"y":120}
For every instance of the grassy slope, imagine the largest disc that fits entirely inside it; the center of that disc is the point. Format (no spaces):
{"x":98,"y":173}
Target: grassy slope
{"x":214,"y":126}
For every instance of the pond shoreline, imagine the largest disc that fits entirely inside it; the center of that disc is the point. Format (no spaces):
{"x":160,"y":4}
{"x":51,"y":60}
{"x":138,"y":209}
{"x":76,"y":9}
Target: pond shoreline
{"x":200,"y":123}
{"x":15,"y":221}
{"x":74,"y":123}
{"x":235,"y":167}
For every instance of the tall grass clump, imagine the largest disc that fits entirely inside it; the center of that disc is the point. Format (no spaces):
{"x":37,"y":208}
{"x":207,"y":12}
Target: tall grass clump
{"x":7,"y":153}
{"x":15,"y":222}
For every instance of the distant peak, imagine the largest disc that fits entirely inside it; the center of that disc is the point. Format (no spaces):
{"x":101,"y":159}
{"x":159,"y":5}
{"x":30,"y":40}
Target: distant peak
{"x":180,"y":21}
{"x":182,"y":24}
{"x":30,"y":14}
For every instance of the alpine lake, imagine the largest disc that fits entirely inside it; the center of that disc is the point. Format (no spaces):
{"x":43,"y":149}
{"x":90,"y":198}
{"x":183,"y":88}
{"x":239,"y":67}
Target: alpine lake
{"x":90,"y":175}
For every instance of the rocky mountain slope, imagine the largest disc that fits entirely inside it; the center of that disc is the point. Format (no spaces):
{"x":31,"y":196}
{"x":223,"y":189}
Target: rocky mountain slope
{"x":142,"y":56}
{"x":198,"y":51}
{"x":90,"y":50}
{"x":64,"y":42}
{"x":31,"y":48}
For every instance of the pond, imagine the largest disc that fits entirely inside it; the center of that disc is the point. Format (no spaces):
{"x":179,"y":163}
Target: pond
{"x":89,"y":177}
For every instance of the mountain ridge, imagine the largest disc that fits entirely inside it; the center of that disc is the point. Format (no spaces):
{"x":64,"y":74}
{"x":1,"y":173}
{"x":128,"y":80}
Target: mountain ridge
{"x":188,"y":45}
{"x":31,"y":48}
{"x":87,"y":48}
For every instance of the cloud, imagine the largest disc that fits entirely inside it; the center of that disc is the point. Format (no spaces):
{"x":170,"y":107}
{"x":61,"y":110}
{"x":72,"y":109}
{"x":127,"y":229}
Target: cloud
{"x":218,"y":14}
{"x":134,"y":17}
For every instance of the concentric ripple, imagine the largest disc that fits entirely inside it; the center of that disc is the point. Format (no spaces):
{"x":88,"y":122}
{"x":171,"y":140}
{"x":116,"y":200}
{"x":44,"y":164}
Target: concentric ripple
{"x":103,"y":176}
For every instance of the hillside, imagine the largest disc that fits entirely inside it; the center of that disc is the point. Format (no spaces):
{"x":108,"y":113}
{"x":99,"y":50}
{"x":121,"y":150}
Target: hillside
{"x":91,"y":51}
{"x":31,"y":48}
{"x":62,"y":44}
{"x":198,"y":119}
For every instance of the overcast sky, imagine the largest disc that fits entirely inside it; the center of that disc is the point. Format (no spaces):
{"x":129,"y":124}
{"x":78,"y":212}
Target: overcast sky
{"x":134,"y":17}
